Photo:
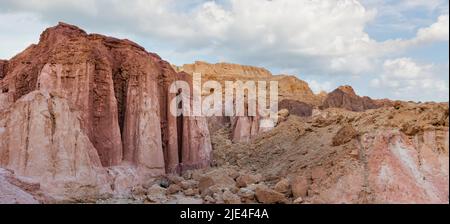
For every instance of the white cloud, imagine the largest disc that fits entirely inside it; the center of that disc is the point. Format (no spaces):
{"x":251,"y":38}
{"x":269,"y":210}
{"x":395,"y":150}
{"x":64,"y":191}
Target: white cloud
{"x":436,"y":32}
{"x":313,"y":37}
{"x":318,"y":87}
{"x":407,"y":79}
{"x":328,"y":33}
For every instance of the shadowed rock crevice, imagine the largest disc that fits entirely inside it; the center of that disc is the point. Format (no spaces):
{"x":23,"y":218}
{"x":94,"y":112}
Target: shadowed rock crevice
{"x":120,"y":79}
{"x":3,"y":68}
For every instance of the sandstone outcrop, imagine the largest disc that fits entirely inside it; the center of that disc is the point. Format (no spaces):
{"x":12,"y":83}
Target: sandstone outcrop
{"x":346,"y":98}
{"x":224,"y":71}
{"x":112,"y":98}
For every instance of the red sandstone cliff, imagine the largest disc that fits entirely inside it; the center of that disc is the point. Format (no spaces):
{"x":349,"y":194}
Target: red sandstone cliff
{"x":109,"y":94}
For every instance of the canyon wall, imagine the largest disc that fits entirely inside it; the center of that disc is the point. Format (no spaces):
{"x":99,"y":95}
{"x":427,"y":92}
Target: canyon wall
{"x":103,"y":102}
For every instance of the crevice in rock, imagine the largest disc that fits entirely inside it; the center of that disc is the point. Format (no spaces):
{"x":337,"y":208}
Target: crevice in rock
{"x":180,"y":121}
{"x":120,"y":80}
{"x":27,"y":138}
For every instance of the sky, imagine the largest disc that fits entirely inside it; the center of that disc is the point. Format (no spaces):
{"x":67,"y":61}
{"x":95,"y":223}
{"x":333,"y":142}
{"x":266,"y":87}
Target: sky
{"x":395,"y":49}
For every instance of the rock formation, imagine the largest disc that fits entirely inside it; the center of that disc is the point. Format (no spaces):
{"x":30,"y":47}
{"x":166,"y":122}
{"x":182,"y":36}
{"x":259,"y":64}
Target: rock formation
{"x":346,"y":98}
{"x":225,"y":71}
{"x":82,"y":101}
{"x":294,"y":93}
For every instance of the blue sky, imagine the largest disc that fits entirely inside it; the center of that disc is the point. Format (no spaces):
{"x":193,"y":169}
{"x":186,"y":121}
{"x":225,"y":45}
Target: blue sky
{"x":394,"y":49}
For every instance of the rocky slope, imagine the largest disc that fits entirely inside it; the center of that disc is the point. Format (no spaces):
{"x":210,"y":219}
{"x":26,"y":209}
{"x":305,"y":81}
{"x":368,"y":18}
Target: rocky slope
{"x":398,"y":154}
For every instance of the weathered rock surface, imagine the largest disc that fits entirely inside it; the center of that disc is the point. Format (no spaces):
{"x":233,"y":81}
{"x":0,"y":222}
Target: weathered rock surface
{"x":19,"y":191}
{"x":42,"y":138}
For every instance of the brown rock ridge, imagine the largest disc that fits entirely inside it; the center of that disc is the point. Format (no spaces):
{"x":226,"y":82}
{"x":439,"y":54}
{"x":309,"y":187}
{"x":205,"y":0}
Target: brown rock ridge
{"x":119,"y":93}
{"x":346,"y":98}
{"x":290,"y":87}
{"x":224,"y":71}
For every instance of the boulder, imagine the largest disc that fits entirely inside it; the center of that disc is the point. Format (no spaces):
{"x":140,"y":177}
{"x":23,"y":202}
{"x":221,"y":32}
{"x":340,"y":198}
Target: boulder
{"x":247,"y":179}
{"x":230,"y":198}
{"x":156,"y":194}
{"x":267,"y":196}
{"x":283,"y":186}
{"x":299,"y":186}
{"x":344,"y":135}
{"x":173,"y":189}
{"x":216,"y":178}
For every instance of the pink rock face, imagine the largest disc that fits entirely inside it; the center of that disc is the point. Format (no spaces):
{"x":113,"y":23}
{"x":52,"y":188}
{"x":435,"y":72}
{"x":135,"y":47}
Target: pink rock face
{"x":42,"y":138}
{"x":393,"y":169}
{"x":193,"y":139}
{"x":95,"y":100}
{"x":402,"y":172}
{"x":244,"y":128}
